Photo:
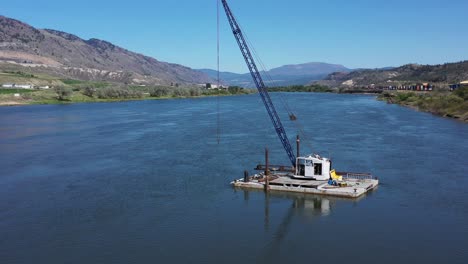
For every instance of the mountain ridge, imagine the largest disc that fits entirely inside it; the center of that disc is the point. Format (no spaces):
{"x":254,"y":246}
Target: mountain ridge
{"x":290,"y":74}
{"x":410,"y":74}
{"x":66,"y":55}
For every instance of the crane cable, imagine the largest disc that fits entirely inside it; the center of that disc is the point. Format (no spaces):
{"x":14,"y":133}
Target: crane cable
{"x":287,"y":108}
{"x":218,"y":115}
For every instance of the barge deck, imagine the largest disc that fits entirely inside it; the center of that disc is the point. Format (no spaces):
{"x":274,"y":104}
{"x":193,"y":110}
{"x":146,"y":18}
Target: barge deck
{"x":349,"y":187}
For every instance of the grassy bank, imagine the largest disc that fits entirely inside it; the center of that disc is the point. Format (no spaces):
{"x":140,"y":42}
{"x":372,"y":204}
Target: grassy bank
{"x":317,"y":88}
{"x":447,"y":104}
{"x":81,"y":93}
{"x":301,"y":88}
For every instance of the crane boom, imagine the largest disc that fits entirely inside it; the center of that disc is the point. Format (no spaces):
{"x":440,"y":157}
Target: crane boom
{"x":257,"y":78}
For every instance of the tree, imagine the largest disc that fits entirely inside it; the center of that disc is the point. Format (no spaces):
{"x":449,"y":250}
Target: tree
{"x":195,"y":92}
{"x":235,"y":89}
{"x":89,"y":91}
{"x":208,"y":86}
{"x":63,"y":93}
{"x":160,"y":91}
{"x":462,"y":92}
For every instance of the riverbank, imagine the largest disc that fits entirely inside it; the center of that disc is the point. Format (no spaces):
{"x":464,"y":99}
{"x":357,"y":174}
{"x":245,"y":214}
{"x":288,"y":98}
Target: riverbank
{"x":317,"y":88}
{"x":13,"y":97}
{"x":446,"y":104}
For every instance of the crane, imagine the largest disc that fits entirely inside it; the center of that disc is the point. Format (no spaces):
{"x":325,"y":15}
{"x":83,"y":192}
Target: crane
{"x":257,"y":78}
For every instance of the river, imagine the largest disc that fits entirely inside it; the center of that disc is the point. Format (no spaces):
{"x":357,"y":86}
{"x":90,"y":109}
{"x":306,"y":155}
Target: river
{"x":146,"y":182}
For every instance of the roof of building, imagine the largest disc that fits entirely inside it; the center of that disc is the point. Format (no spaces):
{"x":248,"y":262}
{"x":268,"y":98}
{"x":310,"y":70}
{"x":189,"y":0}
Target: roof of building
{"x":464,"y":82}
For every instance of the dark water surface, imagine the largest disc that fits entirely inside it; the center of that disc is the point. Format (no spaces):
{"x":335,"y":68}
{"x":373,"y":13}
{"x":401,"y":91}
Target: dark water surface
{"x":145,"y":182}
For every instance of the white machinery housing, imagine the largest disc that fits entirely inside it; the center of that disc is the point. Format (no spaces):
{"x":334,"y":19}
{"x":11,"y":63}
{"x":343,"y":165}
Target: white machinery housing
{"x":313,"y":167}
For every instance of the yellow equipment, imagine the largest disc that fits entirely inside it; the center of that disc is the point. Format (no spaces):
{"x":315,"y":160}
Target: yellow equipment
{"x":335,"y":176}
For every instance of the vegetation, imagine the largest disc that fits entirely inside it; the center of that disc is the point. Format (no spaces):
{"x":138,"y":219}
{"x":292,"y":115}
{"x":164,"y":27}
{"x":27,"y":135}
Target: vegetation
{"x":20,"y":74}
{"x":162,"y":91}
{"x":117,"y":93}
{"x":301,"y":88}
{"x":14,"y":91}
{"x":84,"y":91}
{"x":72,"y":82}
{"x":63,"y":93}
{"x":449,"y":104}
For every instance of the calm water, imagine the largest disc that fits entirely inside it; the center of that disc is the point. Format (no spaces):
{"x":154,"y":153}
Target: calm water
{"x":146,"y":182}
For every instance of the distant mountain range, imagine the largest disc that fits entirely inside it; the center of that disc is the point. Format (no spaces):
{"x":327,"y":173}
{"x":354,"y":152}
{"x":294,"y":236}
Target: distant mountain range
{"x":298,"y":74}
{"x":410,"y":74}
{"x":65,"y":55}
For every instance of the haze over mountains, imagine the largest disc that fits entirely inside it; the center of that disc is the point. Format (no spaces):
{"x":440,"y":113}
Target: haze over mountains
{"x":65,"y":55}
{"x":295,"y":74}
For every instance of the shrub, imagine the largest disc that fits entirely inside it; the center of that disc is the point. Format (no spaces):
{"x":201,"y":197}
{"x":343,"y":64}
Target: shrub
{"x":181,"y":92}
{"x":462,"y":93}
{"x":89,"y":91}
{"x":195,"y":92}
{"x":118,"y":93}
{"x":160,"y":92}
{"x":63,"y":93}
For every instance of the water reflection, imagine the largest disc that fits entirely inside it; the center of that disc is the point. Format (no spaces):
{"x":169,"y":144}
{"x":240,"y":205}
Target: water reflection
{"x":301,"y":205}
{"x":278,"y":221}
{"x":304,"y":206}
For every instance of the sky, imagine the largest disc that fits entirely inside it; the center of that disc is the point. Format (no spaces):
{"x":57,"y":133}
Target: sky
{"x":356,"y":34}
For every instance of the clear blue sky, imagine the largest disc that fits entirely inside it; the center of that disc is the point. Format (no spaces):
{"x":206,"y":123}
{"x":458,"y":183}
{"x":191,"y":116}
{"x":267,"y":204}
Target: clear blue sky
{"x":357,"y":34}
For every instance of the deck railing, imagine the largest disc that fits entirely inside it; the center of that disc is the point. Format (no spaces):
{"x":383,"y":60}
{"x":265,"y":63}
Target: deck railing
{"x":355,"y":175}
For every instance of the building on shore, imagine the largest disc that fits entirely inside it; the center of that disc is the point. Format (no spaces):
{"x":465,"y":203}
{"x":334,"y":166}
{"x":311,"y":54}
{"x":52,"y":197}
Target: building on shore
{"x":456,"y":86}
{"x":211,"y":86}
{"x":17,"y":86}
{"x":8,"y":85}
{"x":415,"y":87}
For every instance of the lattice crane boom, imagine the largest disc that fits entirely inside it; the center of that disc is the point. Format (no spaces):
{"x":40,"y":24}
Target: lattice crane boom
{"x":257,"y":78}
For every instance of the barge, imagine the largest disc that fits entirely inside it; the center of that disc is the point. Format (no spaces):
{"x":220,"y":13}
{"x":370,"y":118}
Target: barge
{"x":312,"y":175}
{"x":349,"y":188}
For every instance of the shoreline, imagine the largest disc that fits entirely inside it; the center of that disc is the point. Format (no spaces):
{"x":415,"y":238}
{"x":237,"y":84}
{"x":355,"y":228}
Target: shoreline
{"x":415,"y":108}
{"x":26,"y":102}
{"x":436,"y":107}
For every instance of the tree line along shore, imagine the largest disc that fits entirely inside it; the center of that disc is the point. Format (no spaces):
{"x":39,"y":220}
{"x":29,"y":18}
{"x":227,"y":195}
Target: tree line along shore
{"x":82,"y":92}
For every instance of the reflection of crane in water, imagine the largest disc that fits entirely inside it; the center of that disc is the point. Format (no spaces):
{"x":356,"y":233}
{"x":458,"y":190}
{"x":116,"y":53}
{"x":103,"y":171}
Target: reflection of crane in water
{"x":306,"y":205}
{"x":309,"y":206}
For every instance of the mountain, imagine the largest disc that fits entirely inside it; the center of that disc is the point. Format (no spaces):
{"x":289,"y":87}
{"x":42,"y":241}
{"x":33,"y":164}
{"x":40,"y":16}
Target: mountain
{"x":229,"y":78}
{"x":68,"y":56}
{"x":294,"y":74}
{"x":308,"y":69}
{"x":410,"y":74}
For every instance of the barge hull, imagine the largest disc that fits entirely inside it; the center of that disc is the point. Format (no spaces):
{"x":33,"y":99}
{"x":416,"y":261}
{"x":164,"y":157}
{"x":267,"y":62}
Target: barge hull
{"x":355,"y":188}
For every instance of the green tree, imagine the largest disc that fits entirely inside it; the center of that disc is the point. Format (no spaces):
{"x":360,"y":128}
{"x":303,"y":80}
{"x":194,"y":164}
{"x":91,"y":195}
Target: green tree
{"x":89,"y":91}
{"x":63,"y":93}
{"x":160,"y":91}
{"x":462,"y":92}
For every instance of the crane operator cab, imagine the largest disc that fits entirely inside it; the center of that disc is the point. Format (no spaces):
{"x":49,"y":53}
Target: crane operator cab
{"x":313,"y":167}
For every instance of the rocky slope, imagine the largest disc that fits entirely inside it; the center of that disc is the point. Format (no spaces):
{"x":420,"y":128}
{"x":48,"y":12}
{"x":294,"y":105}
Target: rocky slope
{"x":66,"y":55}
{"x":410,"y":74}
